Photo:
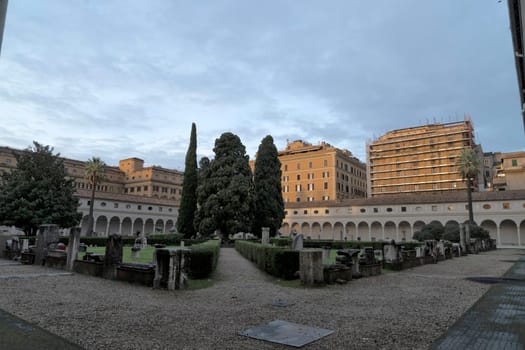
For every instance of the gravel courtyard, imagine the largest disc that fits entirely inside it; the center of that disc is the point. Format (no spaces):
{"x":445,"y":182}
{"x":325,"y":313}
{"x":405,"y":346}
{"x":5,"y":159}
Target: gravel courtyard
{"x":397,"y":310}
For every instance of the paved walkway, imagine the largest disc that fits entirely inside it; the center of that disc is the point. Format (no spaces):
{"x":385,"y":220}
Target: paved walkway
{"x":496,"y":321}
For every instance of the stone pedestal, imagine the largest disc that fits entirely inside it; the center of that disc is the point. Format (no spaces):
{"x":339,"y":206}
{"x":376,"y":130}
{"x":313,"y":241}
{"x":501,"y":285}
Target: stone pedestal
{"x":462,"y":239}
{"x":265,"y":235}
{"x":311,"y":266}
{"x":170,"y":272}
{"x":46,"y":238}
{"x":113,"y":256}
{"x":72,"y":247}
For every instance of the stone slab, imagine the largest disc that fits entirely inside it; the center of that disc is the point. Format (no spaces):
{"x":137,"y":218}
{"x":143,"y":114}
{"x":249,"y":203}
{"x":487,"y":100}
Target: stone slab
{"x":17,"y":334}
{"x":287,"y":333}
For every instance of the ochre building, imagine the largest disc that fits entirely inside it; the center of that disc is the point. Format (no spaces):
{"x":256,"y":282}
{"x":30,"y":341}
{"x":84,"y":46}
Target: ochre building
{"x":320,"y":173}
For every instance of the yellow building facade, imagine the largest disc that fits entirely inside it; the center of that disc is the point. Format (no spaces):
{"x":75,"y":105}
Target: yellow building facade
{"x":129,"y":178}
{"x":419,"y":159}
{"x":320,"y":173}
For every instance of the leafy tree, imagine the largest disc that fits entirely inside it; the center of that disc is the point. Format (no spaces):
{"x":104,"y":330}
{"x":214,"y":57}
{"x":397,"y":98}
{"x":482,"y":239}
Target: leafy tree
{"x":226,"y":195}
{"x":468,"y":167}
{"x":434,"y":230}
{"x":451,"y":232}
{"x":269,"y":205}
{"x":94,"y":173}
{"x":188,"y":203}
{"x":38,"y":192}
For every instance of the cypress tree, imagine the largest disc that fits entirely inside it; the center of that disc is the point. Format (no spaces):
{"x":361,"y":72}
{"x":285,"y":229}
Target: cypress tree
{"x":226,"y":193}
{"x":269,"y":205}
{"x":188,"y":202}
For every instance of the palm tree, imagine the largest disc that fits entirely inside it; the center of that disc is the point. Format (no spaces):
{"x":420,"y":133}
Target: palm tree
{"x":468,"y":168}
{"x":94,"y":173}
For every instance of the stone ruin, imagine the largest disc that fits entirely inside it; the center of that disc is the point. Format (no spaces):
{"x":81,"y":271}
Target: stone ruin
{"x":171,"y":269}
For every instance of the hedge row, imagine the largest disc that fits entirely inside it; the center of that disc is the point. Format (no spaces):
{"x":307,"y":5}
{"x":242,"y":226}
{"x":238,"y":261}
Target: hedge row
{"x":276,"y":261}
{"x":204,"y":258}
{"x":167,"y":239}
{"x":326,"y":243}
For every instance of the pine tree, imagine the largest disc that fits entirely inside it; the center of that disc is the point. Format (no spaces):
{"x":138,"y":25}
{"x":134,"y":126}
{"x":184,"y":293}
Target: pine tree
{"x":38,"y":192}
{"x":188,"y":203}
{"x":269,"y":206}
{"x":227,"y":193}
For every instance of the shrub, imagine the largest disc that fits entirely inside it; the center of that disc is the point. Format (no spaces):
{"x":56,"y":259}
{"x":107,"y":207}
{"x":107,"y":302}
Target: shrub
{"x":203,"y":258}
{"x":276,"y":261}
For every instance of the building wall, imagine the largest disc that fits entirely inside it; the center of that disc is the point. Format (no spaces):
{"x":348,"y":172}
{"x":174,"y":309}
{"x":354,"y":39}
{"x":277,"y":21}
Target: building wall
{"x":320,"y":173}
{"x":149,"y":210}
{"x":420,"y":159}
{"x":510,"y":172}
{"x":398,"y":218}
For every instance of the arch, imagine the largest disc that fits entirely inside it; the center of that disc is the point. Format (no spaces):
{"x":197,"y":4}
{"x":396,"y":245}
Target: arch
{"x":138,"y":226}
{"x":390,"y":230}
{"x":159,"y":225}
{"x":305,"y":228}
{"x":296,"y":227}
{"x":491,"y":226}
{"x":376,"y":231}
{"x":327,"y":231}
{"x":84,"y":223}
{"x":363,"y":231}
{"x":285,"y":228}
{"x":522,"y":233}
{"x":418,"y":226}
{"x":338,"y":231}
{"x":351,"y":231}
{"x":148,"y":226}
{"x":316,"y":229}
{"x":170,"y":226}
{"x":126,"y":226}
{"x":404,"y":231}
{"x":508,"y":232}
{"x":114,"y":225}
{"x":101,"y":226}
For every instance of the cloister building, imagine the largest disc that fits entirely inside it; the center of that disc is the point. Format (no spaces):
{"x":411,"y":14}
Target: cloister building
{"x":502,"y":213}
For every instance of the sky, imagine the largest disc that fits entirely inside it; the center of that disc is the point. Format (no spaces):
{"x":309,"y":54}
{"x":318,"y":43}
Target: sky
{"x":126,"y":78}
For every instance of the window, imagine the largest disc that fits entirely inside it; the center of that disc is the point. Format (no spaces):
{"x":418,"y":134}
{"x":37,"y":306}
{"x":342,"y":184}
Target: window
{"x":434,"y":208}
{"x":316,"y":211}
{"x":310,"y":176}
{"x":298,"y":166}
{"x":326,"y":211}
{"x":298,"y":176}
{"x":305,"y":212}
{"x":514,"y":162}
{"x":295,"y":212}
{"x":310,"y":187}
{"x":362,"y":210}
{"x":325,"y":162}
{"x":132,"y":189}
{"x":506,"y":205}
{"x":298,"y":188}
{"x":286,"y":178}
{"x":103,"y":204}
{"x":450,"y":208}
{"x":298,"y":199}
{"x":486,"y":206}
{"x":326,"y":185}
{"x":139,"y":188}
{"x":310,"y":165}
{"x":403,"y":209}
{"x":286,"y":167}
{"x":285,"y":188}
{"x":139,"y":207}
{"x":115,"y":205}
{"x":150,"y":208}
{"x":145,"y":188}
{"x":128,"y":206}
{"x":376,"y":210}
{"x":389,"y":210}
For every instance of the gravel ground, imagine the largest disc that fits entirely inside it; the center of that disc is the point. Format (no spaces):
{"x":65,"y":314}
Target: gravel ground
{"x":397,"y":310}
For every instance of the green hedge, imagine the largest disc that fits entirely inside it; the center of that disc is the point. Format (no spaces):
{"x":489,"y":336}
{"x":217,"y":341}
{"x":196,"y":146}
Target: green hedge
{"x":203,"y":258}
{"x":276,"y":261}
